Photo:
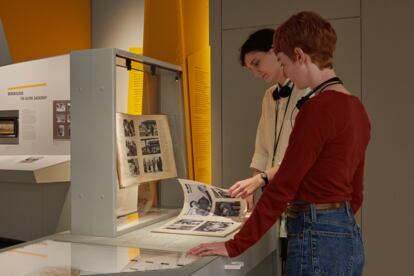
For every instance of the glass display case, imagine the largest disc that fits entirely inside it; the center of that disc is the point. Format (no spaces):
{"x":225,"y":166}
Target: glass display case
{"x":50,"y":257}
{"x":109,"y":234}
{"x":105,"y":82}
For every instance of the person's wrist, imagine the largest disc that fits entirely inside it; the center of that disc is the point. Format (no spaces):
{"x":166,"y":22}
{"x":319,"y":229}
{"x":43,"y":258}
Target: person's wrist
{"x":259,"y":182}
{"x":264,"y":178}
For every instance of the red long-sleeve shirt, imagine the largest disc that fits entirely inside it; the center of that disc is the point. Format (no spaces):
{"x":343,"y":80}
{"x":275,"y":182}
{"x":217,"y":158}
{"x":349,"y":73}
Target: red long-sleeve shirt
{"x":324,"y":163}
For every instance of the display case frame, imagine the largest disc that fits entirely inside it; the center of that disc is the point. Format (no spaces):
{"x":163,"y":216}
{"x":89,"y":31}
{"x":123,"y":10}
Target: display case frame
{"x":93,"y":140}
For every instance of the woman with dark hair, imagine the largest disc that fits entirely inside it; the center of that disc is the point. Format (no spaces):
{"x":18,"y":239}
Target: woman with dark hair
{"x":275,"y":124}
{"x":320,"y":180}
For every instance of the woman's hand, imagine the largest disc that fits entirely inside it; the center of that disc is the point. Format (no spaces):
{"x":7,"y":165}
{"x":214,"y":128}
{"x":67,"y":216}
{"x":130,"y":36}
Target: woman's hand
{"x":207,"y":249}
{"x":250,"y":203}
{"x":246,"y":187}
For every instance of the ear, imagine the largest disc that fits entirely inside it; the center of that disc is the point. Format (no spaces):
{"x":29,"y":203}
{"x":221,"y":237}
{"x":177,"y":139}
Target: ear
{"x":301,"y":57}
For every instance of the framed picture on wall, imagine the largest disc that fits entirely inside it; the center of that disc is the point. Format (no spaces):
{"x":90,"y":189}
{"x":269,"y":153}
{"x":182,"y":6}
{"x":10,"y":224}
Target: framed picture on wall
{"x":61,"y":120}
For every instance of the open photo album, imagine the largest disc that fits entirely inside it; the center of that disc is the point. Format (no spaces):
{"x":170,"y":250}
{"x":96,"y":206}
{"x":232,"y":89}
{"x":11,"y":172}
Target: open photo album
{"x":207,"y":211}
{"x":144,"y":149}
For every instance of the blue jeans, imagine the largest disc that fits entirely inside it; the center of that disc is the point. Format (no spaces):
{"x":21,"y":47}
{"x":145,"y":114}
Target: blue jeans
{"x":324,"y":242}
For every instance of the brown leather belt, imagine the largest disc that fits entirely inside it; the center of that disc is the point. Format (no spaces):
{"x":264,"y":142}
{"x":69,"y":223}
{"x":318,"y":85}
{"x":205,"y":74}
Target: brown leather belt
{"x":293,"y":210}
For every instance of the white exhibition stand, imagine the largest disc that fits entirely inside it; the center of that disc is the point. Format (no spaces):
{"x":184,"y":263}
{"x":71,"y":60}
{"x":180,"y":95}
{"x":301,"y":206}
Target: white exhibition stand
{"x":34,"y":171}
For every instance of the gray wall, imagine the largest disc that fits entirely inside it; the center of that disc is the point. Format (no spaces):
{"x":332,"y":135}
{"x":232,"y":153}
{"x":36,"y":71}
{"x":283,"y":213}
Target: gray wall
{"x":5,"y":57}
{"x":30,"y":211}
{"x":373,"y":58}
{"x":117,"y":23}
{"x":388,"y":224}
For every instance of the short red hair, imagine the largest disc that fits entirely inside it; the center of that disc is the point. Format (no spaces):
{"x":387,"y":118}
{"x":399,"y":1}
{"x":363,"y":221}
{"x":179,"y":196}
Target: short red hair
{"x":310,"y":32}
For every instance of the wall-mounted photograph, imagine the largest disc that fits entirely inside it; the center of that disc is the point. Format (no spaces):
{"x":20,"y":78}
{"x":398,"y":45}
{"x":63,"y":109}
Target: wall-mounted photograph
{"x":61,"y":120}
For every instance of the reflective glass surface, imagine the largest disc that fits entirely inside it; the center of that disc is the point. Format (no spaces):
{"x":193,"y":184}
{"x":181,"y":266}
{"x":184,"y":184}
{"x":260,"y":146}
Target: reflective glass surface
{"x":50,"y":257}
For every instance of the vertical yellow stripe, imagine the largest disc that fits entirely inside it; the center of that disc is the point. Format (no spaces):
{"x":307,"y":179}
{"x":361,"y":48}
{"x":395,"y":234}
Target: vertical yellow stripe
{"x":135,"y":85}
{"x":177,"y":31}
{"x":200,"y":109}
{"x":186,"y":89}
{"x":195,"y":18}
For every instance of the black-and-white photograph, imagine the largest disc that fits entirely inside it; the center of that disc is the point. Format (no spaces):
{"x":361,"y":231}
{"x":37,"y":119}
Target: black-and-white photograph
{"x":219,"y":217}
{"x":154,"y":150}
{"x":214,"y":226}
{"x":60,"y":118}
{"x":150,"y":146}
{"x":184,"y":224}
{"x":133,"y":166}
{"x":153,"y":164}
{"x":227,"y":209}
{"x":220,"y":193}
{"x":60,"y":130}
{"x":129,"y":129}
{"x":199,"y":200}
{"x":60,"y":107}
{"x":148,"y":128}
{"x":132,"y":148}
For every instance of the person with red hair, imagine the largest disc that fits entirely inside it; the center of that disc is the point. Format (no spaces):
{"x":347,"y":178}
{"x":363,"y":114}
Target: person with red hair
{"x":320,"y":180}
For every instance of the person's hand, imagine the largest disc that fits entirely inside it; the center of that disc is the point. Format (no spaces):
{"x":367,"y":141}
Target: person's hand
{"x":246,"y":187}
{"x":208,"y":249}
{"x":250,"y":203}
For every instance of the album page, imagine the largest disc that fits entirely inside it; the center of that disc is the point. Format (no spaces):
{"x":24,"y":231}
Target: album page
{"x":144,"y":149}
{"x":207,"y":211}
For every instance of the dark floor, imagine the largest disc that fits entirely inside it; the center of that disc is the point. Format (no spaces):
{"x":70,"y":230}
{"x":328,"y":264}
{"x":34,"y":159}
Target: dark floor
{"x":4,"y":242}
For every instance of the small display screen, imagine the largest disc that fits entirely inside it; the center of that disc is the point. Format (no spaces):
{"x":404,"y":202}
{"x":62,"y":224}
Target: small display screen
{"x":8,"y":127}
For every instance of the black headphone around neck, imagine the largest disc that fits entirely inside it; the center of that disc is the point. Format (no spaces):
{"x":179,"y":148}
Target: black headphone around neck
{"x":283,"y":92}
{"x":320,"y":87}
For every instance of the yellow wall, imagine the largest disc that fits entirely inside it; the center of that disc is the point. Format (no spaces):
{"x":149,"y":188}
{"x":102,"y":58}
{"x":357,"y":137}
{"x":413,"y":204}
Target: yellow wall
{"x":175,"y":30}
{"x":43,"y":28}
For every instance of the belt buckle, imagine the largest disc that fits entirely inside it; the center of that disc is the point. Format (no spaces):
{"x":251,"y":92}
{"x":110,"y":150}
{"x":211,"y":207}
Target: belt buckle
{"x":293,"y":211}
{"x":291,"y":214}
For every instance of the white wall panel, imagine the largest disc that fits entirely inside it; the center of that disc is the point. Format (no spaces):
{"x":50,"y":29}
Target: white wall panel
{"x":35,"y":104}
